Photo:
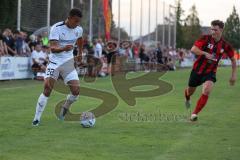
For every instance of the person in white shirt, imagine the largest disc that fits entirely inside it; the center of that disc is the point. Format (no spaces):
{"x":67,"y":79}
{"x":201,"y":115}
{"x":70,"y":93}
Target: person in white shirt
{"x":63,"y":36}
{"x":97,"y":57}
{"x":39,"y":60}
{"x":98,"y":49}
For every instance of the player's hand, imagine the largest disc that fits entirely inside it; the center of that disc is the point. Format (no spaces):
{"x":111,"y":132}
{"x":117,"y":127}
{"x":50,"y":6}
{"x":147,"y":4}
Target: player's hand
{"x":232,"y":80}
{"x":68,"y":48}
{"x":209,"y":56}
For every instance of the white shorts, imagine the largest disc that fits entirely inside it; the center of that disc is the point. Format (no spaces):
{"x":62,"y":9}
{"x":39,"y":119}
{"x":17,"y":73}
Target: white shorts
{"x":66,"y":70}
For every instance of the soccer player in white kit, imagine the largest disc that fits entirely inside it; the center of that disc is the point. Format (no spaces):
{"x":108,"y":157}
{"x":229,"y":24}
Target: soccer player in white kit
{"x":63,"y":36}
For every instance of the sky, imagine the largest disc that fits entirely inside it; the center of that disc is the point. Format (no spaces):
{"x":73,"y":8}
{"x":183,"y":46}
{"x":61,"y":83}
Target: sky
{"x":208,"y":10}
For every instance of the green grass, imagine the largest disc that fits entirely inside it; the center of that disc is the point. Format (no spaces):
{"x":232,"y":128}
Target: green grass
{"x":214,"y":137}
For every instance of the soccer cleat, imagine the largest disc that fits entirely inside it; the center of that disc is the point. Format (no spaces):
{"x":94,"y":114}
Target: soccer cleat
{"x":194,"y":117}
{"x":35,"y":122}
{"x":62,"y":114}
{"x":61,"y":118}
{"x":187,"y":100}
{"x":187,"y":104}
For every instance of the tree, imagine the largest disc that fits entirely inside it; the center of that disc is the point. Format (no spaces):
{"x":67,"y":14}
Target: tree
{"x":123,"y":33}
{"x":179,"y":13}
{"x":8,"y":14}
{"x":232,"y":29}
{"x":192,"y":28}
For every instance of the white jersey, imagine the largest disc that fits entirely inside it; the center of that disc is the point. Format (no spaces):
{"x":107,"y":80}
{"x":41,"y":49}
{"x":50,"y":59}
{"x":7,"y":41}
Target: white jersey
{"x":98,"y":50}
{"x":65,"y":36}
{"x":38,"y":56}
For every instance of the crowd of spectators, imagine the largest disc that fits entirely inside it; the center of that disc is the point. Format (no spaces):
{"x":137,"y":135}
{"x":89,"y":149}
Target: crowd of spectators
{"x":20,"y":44}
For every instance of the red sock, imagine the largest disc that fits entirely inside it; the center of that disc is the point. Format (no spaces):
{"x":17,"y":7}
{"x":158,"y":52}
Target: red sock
{"x":202,"y":101}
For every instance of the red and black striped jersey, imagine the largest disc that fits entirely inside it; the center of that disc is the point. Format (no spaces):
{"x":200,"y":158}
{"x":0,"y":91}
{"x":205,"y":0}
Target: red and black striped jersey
{"x":206,"y":43}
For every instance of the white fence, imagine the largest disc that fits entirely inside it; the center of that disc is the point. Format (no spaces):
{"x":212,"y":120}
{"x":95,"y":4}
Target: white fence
{"x":223,"y":62}
{"x":15,"y":68}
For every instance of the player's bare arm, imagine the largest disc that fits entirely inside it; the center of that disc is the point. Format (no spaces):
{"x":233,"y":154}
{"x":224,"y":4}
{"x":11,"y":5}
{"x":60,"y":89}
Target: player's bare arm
{"x":55,"y":47}
{"x":80,"y":49}
{"x":199,"y":52}
{"x":234,"y":72}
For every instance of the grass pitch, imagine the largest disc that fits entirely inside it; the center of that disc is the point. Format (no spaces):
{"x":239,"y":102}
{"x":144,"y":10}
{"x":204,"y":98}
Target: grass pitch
{"x":121,"y":134}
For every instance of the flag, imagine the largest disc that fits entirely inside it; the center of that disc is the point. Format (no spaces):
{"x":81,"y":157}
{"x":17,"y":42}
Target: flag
{"x":108,"y":18}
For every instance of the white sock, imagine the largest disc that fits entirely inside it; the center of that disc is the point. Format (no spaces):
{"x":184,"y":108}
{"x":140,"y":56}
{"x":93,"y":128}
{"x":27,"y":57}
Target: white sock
{"x":70,"y":99}
{"x":41,"y":104}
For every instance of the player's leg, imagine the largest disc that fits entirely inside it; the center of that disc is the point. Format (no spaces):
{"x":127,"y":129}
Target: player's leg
{"x":202,"y":101}
{"x":72,"y":80}
{"x":42,"y":100}
{"x":194,"y":81}
{"x":71,"y":98}
{"x":188,"y":92}
{"x":52,"y":73}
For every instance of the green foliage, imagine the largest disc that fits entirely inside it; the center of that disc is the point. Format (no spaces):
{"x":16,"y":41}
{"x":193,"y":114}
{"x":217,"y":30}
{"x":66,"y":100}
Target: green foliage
{"x":8,"y":14}
{"x":114,"y":34}
{"x":34,"y":13}
{"x":179,"y":13}
{"x":232,"y":29}
{"x":191,"y":28}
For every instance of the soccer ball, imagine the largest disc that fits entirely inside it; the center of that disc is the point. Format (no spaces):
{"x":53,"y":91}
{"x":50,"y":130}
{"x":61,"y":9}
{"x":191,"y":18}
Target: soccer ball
{"x":87,"y":119}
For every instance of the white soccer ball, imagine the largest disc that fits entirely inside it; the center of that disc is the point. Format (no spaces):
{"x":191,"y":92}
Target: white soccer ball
{"x":87,"y":119}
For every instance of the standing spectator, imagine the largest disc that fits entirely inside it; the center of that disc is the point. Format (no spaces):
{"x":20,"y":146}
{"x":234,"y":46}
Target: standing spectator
{"x":159,"y":53}
{"x":173,"y":55}
{"x":33,"y":42}
{"x":3,"y":47}
{"x":44,"y":39}
{"x":26,"y":51}
{"x":181,"y":56}
{"x":97,"y":57}
{"x":135,"y":49}
{"x":18,"y":42}
{"x":144,"y":58}
{"x":9,"y":41}
{"x":111,"y":48}
{"x":98,"y":49}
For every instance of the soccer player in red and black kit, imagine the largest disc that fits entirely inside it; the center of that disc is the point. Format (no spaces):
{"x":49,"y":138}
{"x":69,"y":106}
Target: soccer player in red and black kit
{"x":209,"y":49}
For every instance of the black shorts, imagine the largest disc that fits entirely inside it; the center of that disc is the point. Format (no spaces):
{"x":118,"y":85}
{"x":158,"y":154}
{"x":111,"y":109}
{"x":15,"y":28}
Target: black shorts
{"x":198,"y":79}
{"x":111,"y":58}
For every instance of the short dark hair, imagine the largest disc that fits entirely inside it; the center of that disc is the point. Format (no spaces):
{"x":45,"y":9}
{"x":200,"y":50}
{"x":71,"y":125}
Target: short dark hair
{"x":75,"y":12}
{"x":217,"y":23}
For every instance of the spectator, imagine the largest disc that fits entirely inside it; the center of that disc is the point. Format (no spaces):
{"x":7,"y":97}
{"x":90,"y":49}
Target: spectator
{"x":26,"y":51}
{"x":39,"y":60}
{"x":9,"y":41}
{"x":18,"y":42}
{"x":3,"y":47}
{"x":97,"y":59}
{"x":144,"y":58}
{"x":33,"y":42}
{"x":181,"y":56}
{"x":171,"y":65}
{"x":98,"y":49}
{"x":159,"y":54}
{"x":111,"y":49}
{"x":44,"y":39}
